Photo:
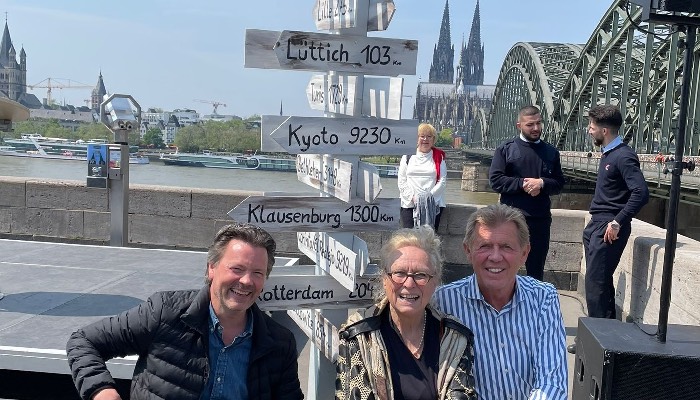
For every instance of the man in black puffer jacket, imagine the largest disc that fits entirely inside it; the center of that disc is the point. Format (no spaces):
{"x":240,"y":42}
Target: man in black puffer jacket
{"x":211,"y":343}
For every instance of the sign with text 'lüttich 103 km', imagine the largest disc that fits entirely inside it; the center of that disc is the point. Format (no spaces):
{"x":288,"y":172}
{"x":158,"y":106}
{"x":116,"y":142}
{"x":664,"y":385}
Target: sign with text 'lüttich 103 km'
{"x":341,"y":255}
{"x":316,"y":214}
{"x":341,"y":14}
{"x":341,"y":94}
{"x":365,"y":136}
{"x":341,"y":179}
{"x":309,"y":51}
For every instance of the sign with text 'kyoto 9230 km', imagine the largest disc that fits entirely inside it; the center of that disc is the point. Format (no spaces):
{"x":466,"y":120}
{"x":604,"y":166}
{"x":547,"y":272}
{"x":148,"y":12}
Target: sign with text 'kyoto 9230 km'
{"x":292,"y":213}
{"x":366,"y":136}
{"x":310,"y":51}
{"x":340,"y":14}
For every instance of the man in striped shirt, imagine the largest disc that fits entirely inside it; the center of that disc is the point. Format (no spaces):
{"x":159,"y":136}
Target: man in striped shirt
{"x":520,"y":342}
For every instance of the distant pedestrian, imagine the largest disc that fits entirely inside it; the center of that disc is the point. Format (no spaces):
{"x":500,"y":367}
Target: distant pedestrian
{"x":526,"y":170}
{"x":422,"y":181}
{"x":659,"y":158}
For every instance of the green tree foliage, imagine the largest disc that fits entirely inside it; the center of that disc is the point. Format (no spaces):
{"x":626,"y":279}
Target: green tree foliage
{"x":231,"y":136}
{"x":154,"y":138}
{"x":444,"y":138}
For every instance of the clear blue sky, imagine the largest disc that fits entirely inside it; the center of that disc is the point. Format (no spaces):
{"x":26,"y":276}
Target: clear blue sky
{"x":166,"y":53}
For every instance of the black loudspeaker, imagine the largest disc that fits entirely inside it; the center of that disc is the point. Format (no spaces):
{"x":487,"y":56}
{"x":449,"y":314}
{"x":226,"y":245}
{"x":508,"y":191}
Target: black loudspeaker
{"x":619,"y":361}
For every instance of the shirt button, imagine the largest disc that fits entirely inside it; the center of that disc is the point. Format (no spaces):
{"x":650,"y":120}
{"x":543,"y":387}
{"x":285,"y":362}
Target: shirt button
{"x":218,"y":379}
{"x":503,"y":345}
{"x":222,"y":351}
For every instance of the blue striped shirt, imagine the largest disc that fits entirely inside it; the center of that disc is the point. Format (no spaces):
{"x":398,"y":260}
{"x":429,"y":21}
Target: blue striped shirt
{"x":520,"y":351}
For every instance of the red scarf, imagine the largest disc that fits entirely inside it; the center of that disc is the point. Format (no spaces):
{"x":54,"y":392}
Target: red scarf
{"x":438,"y":156}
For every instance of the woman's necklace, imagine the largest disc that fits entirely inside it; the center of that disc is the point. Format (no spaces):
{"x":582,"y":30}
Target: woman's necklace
{"x":417,"y":352}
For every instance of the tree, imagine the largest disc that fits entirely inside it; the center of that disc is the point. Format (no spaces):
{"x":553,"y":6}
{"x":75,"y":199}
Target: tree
{"x":444,"y":138}
{"x":154,"y":137}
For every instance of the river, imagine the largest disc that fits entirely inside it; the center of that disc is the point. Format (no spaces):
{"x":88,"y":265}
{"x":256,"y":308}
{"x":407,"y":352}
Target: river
{"x":157,"y":173}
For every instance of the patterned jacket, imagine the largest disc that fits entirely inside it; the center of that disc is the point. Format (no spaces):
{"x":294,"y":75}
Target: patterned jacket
{"x":363,"y":370}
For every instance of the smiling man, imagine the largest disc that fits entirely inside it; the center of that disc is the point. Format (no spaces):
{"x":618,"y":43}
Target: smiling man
{"x":212,"y":343}
{"x":519,"y":337}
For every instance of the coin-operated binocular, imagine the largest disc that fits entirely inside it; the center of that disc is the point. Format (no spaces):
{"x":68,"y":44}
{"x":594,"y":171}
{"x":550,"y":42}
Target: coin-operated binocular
{"x":120,"y":113}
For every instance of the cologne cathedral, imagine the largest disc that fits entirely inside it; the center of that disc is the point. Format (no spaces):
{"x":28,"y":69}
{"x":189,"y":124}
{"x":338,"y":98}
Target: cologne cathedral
{"x":446,"y":101}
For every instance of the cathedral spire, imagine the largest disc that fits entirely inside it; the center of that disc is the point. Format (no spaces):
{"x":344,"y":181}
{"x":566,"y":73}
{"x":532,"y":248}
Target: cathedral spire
{"x":5,"y":45}
{"x":442,"y":68}
{"x":471,"y":60}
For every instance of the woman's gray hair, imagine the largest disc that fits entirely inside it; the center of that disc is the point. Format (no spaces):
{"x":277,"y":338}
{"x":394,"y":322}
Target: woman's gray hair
{"x":423,"y":237}
{"x":248,"y":233}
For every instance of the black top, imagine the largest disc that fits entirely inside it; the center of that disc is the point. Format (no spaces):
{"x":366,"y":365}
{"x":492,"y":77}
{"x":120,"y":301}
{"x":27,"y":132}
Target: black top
{"x":413,"y":378}
{"x":517,"y":159}
{"x":620,"y":188}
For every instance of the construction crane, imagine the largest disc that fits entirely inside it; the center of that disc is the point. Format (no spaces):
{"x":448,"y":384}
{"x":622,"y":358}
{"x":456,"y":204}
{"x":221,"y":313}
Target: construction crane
{"x":58,"y":83}
{"x":215,"y":104}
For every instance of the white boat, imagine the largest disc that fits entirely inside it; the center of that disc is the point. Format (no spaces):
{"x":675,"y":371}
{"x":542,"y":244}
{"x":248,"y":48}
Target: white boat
{"x":66,"y":150}
{"x":237,"y":161}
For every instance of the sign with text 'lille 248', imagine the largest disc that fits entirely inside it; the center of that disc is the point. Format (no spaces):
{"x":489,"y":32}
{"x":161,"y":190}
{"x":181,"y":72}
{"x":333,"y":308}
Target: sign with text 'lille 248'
{"x":341,"y":255}
{"x":341,"y":14}
{"x":285,"y":213}
{"x":366,"y":136}
{"x":380,"y":97}
{"x":335,"y":177}
{"x":310,"y":51}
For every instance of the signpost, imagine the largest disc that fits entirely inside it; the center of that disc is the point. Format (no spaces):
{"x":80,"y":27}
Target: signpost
{"x":342,"y":94}
{"x":311,"y":51}
{"x":339,"y":14}
{"x":332,"y":254}
{"x":321,"y":331}
{"x":366,"y":136}
{"x":283,"y":214}
{"x":335,"y":177}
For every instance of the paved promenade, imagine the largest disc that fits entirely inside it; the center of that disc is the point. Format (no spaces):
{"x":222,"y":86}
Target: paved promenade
{"x":47,"y":290}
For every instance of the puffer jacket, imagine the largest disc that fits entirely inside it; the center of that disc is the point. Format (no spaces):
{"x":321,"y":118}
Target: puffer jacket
{"x":363,"y":370}
{"x":169,"y":333}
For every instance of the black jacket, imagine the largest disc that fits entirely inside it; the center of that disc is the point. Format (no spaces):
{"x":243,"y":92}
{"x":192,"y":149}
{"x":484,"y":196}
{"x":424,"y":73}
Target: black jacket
{"x":169,"y":333}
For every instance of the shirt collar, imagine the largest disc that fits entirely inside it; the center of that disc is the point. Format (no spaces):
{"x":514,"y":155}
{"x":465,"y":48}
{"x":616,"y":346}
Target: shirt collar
{"x":217,"y":326}
{"x":474,"y":293}
{"x":616,"y":142}
{"x":522,"y":137}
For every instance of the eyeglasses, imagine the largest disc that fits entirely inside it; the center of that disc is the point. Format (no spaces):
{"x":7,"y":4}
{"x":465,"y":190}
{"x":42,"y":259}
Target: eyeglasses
{"x":426,"y":137}
{"x":420,"y":278}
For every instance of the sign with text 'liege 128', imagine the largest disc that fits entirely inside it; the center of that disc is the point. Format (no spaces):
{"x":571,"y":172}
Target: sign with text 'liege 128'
{"x":331,"y":253}
{"x":366,"y":136}
{"x":340,"y":94}
{"x":310,"y":213}
{"x":335,"y":177}
{"x":341,"y":14}
{"x":310,"y":51}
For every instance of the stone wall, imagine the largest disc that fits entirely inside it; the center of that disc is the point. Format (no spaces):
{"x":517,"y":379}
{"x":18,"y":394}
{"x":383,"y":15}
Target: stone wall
{"x":180,"y":218}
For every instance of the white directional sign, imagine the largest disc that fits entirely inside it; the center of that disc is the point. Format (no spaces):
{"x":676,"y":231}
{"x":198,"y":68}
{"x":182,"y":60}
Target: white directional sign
{"x":284,"y":214}
{"x":335,"y":177}
{"x":380,"y":97}
{"x":326,"y":52}
{"x":321,"y":331}
{"x":339,"y":14}
{"x":286,"y":292}
{"x":339,"y":254}
{"x":365,"y":136}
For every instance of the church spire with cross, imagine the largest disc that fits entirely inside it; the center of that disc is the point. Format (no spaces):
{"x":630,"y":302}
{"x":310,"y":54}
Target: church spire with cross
{"x":442,"y":68}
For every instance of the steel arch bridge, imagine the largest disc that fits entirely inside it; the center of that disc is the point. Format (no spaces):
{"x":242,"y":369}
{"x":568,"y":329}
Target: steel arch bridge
{"x":633,"y":64}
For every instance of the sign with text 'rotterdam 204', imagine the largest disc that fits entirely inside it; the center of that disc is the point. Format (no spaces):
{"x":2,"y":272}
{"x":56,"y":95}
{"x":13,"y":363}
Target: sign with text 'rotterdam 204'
{"x":380,"y":97}
{"x":317,"y":214}
{"x":341,"y":14}
{"x":294,"y":50}
{"x":321,"y":331}
{"x":366,"y":136}
{"x":337,"y":177}
{"x":341,"y":255}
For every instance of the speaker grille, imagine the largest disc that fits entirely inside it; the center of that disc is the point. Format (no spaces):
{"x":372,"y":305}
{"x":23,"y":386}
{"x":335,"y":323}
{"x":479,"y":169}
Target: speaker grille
{"x":638,"y":376}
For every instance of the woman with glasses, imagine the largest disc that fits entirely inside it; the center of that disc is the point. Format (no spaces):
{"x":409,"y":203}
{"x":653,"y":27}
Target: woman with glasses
{"x":403,"y":348}
{"x":422,"y":181}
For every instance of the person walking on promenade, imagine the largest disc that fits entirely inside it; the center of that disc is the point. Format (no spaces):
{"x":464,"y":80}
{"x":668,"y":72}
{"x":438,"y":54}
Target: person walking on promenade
{"x":620,"y":193}
{"x":526,"y":170}
{"x":403,"y":348}
{"x":422,"y":182}
{"x":519,"y":337}
{"x":197,"y":344}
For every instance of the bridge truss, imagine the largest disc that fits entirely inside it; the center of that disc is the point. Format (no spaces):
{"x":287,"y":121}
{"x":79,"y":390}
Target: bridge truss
{"x":633,"y":64}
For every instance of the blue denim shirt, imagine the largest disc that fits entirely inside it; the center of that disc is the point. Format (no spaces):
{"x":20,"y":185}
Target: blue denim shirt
{"x":228,"y":364}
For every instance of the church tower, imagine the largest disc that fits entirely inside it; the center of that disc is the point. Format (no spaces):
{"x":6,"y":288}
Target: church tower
{"x":442,"y":68}
{"x":471,"y":60}
{"x":98,"y":93}
{"x":13,"y":75}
